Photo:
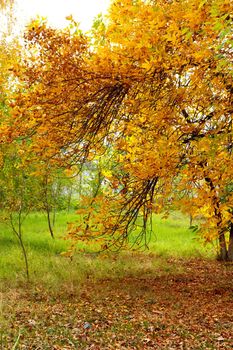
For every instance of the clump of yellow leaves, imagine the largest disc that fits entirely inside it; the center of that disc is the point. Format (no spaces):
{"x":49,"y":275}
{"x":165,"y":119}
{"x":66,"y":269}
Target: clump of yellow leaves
{"x":154,"y":85}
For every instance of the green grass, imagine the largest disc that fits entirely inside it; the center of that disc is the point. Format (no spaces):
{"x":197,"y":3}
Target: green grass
{"x":171,"y":239}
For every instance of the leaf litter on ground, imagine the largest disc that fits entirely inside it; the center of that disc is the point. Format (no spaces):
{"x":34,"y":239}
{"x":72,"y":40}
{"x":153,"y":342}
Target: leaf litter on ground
{"x":188,"y":310}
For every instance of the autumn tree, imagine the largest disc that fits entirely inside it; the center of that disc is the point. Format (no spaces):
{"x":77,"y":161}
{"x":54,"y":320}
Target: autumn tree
{"x":54,"y":191}
{"x":8,"y":54}
{"x":18,"y":194}
{"x":154,"y":83}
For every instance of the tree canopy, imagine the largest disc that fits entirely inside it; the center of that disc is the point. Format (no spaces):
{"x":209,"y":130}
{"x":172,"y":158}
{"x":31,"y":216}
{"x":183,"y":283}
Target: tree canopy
{"x":152,"y":87}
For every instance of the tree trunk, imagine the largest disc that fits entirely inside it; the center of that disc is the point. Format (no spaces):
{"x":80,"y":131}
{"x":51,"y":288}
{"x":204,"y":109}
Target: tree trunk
{"x":47,"y":206}
{"x":190,"y":220}
{"x":18,"y":233}
{"x":49,"y":222}
{"x":223,"y":253}
{"x":24,"y":256}
{"x":223,"y":256}
{"x":230,"y":246}
{"x":69,"y":199}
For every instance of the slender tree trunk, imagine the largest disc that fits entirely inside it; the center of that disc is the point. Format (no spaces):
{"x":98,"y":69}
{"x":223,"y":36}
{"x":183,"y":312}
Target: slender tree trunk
{"x":190,"y":220}
{"x":223,"y":256}
{"x":80,"y":185}
{"x":22,"y":245}
{"x":24,"y":256}
{"x":47,"y":206}
{"x":49,"y":222}
{"x":18,"y":233}
{"x":94,"y":195}
{"x":69,"y":199}
{"x":230,"y":246}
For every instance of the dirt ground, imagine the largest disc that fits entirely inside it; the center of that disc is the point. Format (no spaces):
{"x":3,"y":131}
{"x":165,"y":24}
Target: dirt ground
{"x":188,"y":310}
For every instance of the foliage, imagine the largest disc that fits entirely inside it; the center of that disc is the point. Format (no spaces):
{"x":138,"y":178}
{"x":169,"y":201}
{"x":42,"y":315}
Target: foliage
{"x":154,"y":84}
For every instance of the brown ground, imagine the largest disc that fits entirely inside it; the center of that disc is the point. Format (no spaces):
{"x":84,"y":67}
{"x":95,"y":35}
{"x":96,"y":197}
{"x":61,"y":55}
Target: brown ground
{"x":190,"y":310}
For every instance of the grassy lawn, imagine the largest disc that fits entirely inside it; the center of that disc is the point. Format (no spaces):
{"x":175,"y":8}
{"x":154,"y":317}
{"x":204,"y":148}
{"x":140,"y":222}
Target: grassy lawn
{"x":171,"y":238}
{"x":173,"y":296}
